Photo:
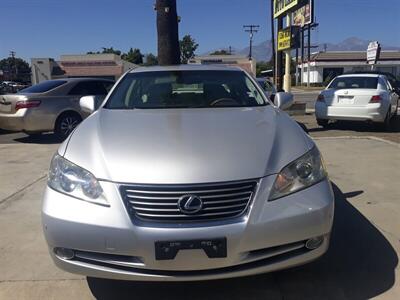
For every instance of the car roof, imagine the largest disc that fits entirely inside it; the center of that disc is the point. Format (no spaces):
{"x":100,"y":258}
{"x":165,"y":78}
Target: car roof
{"x":188,"y":67}
{"x":84,"y":79}
{"x":361,"y":75}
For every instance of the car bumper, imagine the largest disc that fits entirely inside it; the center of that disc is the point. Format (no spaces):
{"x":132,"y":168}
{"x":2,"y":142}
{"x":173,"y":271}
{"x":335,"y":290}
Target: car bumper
{"x":13,"y":122}
{"x":108,"y":245}
{"x":28,"y":120}
{"x":374,"y":112}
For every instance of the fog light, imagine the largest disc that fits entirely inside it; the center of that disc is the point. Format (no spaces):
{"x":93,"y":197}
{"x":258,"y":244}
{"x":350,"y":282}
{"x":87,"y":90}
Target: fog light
{"x":314,"y":243}
{"x":64,"y":253}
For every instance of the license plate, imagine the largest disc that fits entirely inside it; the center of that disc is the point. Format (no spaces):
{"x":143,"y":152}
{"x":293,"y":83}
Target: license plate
{"x":346,"y":100}
{"x":214,"y":248}
{"x":5,"y":108}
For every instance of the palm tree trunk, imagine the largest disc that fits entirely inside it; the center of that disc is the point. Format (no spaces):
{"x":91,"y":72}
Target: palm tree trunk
{"x":167,"y":29}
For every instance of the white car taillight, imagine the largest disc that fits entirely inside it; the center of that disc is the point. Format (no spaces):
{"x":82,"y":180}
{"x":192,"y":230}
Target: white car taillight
{"x":375,"y":99}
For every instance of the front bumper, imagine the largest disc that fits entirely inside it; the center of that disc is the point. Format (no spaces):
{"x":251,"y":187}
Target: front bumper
{"x":270,"y":237}
{"x":374,"y":112}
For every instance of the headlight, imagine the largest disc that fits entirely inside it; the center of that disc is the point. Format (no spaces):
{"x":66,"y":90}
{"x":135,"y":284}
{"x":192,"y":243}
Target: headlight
{"x":300,"y":174}
{"x":68,"y":178}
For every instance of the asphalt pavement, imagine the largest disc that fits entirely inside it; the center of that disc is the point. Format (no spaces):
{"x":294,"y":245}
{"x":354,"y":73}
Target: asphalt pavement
{"x":362,"y":262}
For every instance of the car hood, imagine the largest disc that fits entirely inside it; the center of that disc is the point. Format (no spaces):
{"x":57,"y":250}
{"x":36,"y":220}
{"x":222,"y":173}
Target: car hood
{"x":165,"y":146}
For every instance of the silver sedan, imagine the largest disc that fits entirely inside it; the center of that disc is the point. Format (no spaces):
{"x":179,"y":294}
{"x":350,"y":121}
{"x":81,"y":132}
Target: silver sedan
{"x":186,"y":173}
{"x":50,"y":106}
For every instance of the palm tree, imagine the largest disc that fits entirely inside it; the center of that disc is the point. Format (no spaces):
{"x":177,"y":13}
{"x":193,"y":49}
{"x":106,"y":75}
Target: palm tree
{"x":167,"y":29}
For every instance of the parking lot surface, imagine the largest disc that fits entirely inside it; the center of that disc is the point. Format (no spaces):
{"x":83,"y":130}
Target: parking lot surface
{"x":362,"y":262}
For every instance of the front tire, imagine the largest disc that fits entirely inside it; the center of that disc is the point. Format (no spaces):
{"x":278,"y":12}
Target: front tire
{"x":66,"y":123}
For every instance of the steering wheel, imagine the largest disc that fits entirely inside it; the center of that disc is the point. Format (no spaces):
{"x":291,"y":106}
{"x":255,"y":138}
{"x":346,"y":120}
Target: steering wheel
{"x":221,"y":100}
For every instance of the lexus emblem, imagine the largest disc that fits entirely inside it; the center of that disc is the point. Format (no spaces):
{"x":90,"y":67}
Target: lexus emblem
{"x":190,"y":204}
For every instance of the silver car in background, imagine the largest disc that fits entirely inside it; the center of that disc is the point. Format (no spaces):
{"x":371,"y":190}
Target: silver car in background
{"x":186,"y":173}
{"x":358,"y":97}
{"x":268,"y":86}
{"x":50,"y":106}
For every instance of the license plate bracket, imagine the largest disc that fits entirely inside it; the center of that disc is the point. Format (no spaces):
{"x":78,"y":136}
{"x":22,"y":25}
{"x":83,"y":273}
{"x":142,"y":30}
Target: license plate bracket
{"x":214,"y":248}
{"x":346,"y":100}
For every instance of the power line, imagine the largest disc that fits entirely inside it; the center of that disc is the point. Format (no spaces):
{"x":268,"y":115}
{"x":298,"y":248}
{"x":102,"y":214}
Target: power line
{"x":251,"y":29}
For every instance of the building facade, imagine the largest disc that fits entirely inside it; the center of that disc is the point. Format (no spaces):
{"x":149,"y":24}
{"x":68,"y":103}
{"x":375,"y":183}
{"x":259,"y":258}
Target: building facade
{"x":324,"y":66}
{"x":228,"y":60}
{"x":109,"y":66}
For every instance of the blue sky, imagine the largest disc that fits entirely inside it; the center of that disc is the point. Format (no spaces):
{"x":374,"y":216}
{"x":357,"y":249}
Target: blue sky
{"x":42,"y":28}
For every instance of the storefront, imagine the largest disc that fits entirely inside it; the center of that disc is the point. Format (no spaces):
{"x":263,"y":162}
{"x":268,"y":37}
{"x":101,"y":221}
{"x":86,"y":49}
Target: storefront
{"x":109,"y":66}
{"x":324,"y":66}
{"x":228,"y":60}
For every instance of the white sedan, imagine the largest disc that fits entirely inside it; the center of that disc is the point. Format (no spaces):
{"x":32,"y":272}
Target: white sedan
{"x":358,"y":97}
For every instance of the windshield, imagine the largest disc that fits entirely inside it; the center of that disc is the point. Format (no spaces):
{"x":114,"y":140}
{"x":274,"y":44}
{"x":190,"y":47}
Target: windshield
{"x":354,"y":83}
{"x":43,"y":87}
{"x":185,"y":89}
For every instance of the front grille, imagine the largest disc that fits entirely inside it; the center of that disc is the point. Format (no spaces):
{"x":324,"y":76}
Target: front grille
{"x":160,"y":202}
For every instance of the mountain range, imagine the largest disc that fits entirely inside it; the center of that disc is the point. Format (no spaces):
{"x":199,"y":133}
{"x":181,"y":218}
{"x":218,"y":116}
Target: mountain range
{"x":263,"y":51}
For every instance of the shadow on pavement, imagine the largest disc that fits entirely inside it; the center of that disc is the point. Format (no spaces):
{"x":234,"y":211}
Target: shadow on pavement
{"x":360,"y":264}
{"x":359,"y":126}
{"x":39,"y":139}
{"x":2,"y":131}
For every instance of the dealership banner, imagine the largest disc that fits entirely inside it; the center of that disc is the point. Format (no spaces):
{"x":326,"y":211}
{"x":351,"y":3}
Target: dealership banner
{"x":303,"y":15}
{"x":282,"y":6}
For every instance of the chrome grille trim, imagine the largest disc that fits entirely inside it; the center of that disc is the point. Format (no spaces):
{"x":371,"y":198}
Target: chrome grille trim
{"x":159,"y":203}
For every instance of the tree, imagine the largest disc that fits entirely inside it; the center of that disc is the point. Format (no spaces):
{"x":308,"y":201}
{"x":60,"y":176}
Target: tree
{"x":188,"y":47}
{"x":110,"y":50}
{"x":263,"y":66}
{"x":134,"y":56}
{"x":106,"y":50}
{"x":151,"y":60}
{"x":167,"y":32}
{"x":15,"y":69}
{"x":221,"y":52}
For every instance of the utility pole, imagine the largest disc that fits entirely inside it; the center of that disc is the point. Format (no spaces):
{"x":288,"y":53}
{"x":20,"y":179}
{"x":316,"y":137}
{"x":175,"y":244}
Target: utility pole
{"x":279,"y":60}
{"x":273,"y":41}
{"x":167,"y":31}
{"x":302,"y":55}
{"x":14,"y":66}
{"x":251,"y":29}
{"x":308,"y":55}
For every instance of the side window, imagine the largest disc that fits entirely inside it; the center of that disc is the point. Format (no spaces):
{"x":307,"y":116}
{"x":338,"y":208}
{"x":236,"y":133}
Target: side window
{"x":89,"y":88}
{"x":389,"y":85}
{"x":253,"y":92}
{"x":383,"y":83}
{"x":107,"y":85}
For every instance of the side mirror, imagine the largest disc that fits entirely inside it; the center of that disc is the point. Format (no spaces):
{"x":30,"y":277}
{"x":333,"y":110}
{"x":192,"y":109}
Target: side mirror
{"x":87,"y":104}
{"x":283,"y":100}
